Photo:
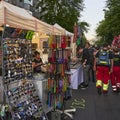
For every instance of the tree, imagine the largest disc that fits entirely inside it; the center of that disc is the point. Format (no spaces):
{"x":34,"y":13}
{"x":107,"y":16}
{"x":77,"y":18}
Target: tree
{"x":63,"y":12}
{"x":110,"y":26}
{"x":84,"y":26}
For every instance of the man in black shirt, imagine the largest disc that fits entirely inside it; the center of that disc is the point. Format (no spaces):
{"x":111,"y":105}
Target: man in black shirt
{"x":86,"y":62}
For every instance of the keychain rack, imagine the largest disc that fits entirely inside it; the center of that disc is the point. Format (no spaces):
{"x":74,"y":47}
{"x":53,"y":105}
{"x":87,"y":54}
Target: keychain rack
{"x":17,"y":75}
{"x":59,"y":76}
{"x":58,"y":81}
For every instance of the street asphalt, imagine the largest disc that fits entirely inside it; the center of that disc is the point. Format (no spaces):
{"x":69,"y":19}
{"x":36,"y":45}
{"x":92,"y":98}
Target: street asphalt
{"x":92,"y":106}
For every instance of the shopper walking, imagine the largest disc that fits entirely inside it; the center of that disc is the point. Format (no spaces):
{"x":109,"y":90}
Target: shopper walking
{"x":103,"y":66}
{"x":115,"y":75}
{"x":91,"y":52}
{"x":86,"y":65}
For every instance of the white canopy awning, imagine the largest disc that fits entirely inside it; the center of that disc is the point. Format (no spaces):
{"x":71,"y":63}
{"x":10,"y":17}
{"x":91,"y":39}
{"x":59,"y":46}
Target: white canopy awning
{"x":20,"y":18}
{"x":64,"y":30}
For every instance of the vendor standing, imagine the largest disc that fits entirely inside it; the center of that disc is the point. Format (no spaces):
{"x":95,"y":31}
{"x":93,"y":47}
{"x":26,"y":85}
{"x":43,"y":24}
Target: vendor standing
{"x":37,"y":62}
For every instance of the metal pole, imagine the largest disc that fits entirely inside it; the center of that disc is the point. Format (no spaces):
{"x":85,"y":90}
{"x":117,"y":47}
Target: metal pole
{"x":3,"y":71}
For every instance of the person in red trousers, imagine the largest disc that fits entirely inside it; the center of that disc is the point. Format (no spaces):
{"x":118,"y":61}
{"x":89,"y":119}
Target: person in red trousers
{"x":103,"y":65}
{"x":115,"y":75}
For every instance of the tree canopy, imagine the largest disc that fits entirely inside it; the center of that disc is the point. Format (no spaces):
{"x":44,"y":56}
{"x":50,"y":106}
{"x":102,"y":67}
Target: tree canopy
{"x":84,"y":26}
{"x":110,"y":26}
{"x":63,"y":12}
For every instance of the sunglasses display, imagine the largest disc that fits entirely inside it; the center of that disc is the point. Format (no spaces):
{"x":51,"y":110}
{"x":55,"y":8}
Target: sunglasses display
{"x":25,"y":101}
{"x":17,"y":59}
{"x":19,"y":88}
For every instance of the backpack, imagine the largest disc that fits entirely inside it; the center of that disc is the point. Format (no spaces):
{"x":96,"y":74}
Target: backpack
{"x":116,"y":59}
{"x":103,"y":58}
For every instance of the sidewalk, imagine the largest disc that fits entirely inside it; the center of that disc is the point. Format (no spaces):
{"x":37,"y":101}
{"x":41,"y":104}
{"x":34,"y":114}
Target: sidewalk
{"x":97,"y":107}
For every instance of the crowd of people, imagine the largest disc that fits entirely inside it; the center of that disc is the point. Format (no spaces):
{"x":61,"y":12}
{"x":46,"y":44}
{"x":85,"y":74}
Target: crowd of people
{"x":102,"y":66}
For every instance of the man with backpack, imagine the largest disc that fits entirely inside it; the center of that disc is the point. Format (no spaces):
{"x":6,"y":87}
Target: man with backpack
{"x":115,"y":75}
{"x":103,"y":65}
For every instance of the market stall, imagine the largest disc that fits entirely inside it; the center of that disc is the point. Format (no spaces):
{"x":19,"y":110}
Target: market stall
{"x":19,"y":18}
{"x":18,"y":30}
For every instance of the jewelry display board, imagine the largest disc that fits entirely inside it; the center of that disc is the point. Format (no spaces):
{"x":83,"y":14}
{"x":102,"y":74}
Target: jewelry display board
{"x":20,"y":91}
{"x":59,"y":80}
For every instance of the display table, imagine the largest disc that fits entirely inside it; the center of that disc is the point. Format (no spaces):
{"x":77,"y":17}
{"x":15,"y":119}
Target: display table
{"x":76,"y":76}
{"x":41,"y":85}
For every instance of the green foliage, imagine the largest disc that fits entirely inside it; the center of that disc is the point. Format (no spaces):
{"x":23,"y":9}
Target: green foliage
{"x":84,"y":40}
{"x":84,"y":26}
{"x":110,"y":26}
{"x":63,"y":12}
